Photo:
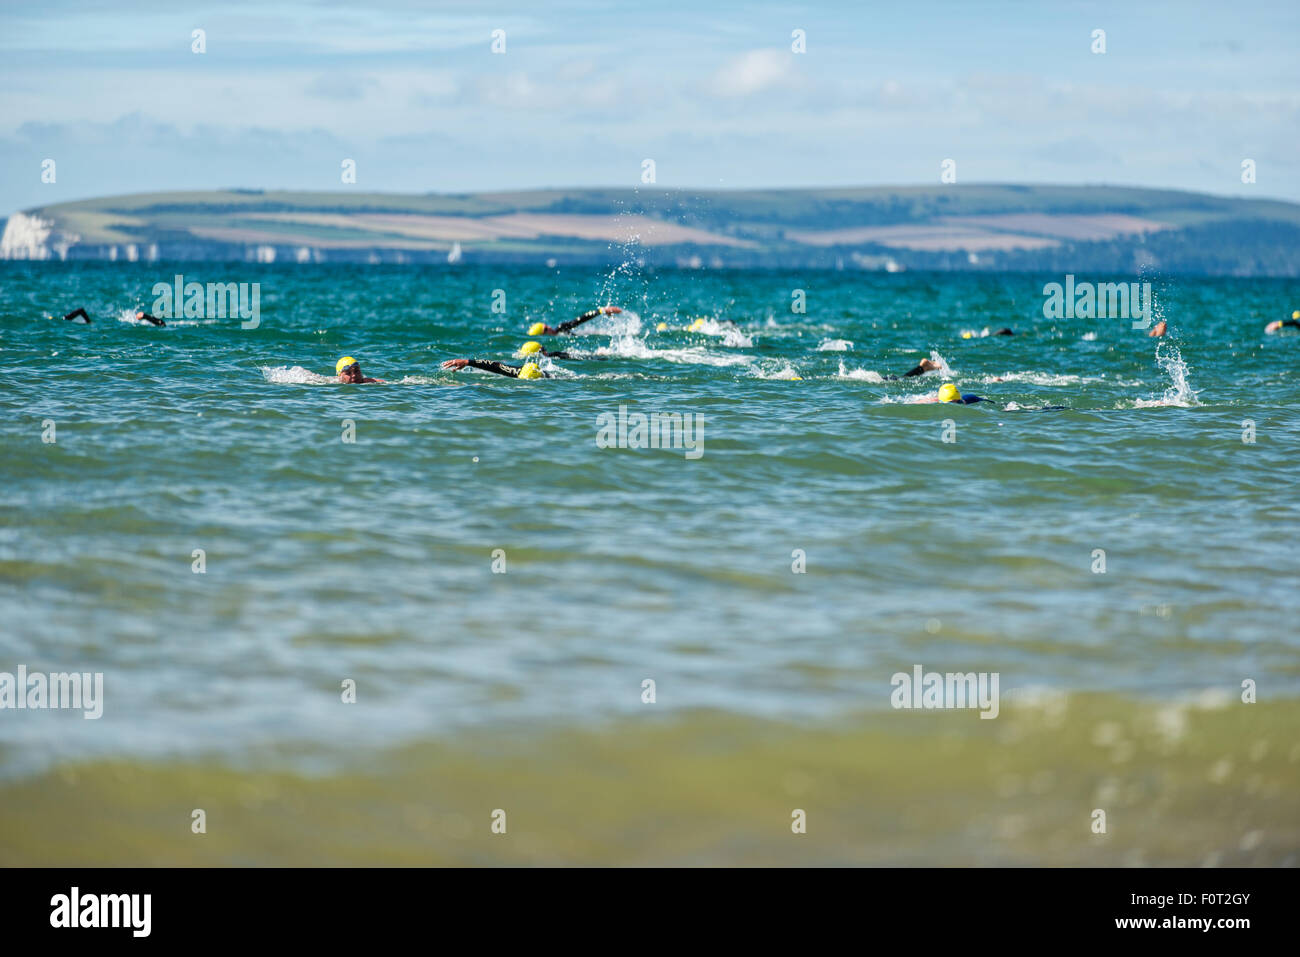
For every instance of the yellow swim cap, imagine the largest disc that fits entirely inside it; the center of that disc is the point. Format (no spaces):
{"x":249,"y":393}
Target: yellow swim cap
{"x":661,"y":327}
{"x":343,"y":364}
{"x":948,"y":393}
{"x":1296,"y":314}
{"x":696,"y":324}
{"x":531,"y":348}
{"x":530,"y":371}
{"x":537,"y":328}
{"x":965,"y":335}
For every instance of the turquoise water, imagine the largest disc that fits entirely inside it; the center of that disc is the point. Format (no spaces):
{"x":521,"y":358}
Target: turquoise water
{"x":374,"y":560}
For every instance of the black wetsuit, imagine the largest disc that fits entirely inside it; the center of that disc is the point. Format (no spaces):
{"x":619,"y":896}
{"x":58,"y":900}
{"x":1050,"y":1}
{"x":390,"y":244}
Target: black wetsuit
{"x":1004,"y":332}
{"x":906,"y":375}
{"x":1293,"y":323}
{"x":569,"y":355}
{"x":500,"y":368}
{"x":78,"y":313}
{"x":148,"y":318}
{"x":573,"y":323}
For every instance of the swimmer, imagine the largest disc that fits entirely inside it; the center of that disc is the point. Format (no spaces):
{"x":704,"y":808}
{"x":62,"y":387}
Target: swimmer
{"x":145,"y":317}
{"x":528,"y":370}
{"x":349,"y":370}
{"x":1277,"y":325}
{"x":922,"y":367}
{"x":949,"y":393}
{"x":534,"y":348}
{"x":697,"y":324}
{"x":542,"y":329}
{"x":78,"y":315}
{"x":1157,"y":330}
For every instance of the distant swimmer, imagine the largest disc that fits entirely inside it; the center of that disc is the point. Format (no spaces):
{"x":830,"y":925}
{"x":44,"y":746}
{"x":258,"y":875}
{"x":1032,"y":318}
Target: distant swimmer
{"x":528,"y":370}
{"x":922,"y":367}
{"x":1157,"y":330}
{"x":1278,"y":325}
{"x":349,"y":370}
{"x":950,"y":393}
{"x":542,"y":329}
{"x":1004,"y":331}
{"x":697,"y":324}
{"x":145,"y":317}
{"x":78,"y":316}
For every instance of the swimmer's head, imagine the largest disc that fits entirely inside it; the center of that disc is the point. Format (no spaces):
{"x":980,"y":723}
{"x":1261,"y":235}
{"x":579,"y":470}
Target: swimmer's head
{"x":530,"y":371}
{"x":348,"y":369}
{"x":661,"y":327}
{"x":1296,"y":314}
{"x":697,"y":324}
{"x":537,"y":329}
{"x":948,"y":393}
{"x":530,"y":348}
{"x":966,"y":334}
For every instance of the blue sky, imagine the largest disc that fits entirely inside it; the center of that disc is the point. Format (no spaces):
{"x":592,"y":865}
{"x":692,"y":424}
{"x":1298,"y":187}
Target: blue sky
{"x":586,"y":90}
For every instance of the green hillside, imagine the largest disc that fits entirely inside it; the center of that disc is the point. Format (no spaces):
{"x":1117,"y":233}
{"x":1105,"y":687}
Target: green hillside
{"x":981,"y":226}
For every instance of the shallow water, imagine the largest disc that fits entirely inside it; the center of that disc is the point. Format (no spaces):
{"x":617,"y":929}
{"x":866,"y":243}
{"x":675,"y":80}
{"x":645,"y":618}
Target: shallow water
{"x":373,"y":561}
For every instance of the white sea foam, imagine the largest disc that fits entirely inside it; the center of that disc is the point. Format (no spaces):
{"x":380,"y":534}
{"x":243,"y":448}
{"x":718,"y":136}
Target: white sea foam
{"x":835,"y":345}
{"x":631,"y":347}
{"x":295,"y":375}
{"x":778,"y":369}
{"x":863,"y":375}
{"x":1039,"y":378}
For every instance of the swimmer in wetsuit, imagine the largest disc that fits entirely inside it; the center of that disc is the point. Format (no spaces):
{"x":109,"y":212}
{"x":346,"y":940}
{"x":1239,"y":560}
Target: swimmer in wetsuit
{"x":145,"y":317}
{"x":349,"y":370}
{"x":1277,"y":325}
{"x":78,"y":315}
{"x":542,"y":329}
{"x":922,"y":367}
{"x":950,"y":393}
{"x":528,"y":370}
{"x":534,"y":348}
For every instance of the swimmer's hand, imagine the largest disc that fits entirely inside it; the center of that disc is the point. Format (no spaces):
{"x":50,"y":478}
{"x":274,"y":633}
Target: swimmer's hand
{"x":612,"y":310}
{"x":455,"y":363}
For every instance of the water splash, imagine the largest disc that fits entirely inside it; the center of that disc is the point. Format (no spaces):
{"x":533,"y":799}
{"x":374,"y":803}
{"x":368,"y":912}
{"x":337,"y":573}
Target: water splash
{"x":1180,"y":391}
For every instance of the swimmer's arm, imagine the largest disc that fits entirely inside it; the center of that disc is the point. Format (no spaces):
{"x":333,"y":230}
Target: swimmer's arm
{"x":919,"y":370}
{"x":587,"y":317}
{"x":557,"y":355}
{"x":500,"y":368}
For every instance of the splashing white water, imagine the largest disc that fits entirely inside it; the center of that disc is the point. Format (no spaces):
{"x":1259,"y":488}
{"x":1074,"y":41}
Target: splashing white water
{"x":780,"y":370}
{"x":630,"y":347}
{"x":862,"y":375}
{"x":295,"y":375}
{"x":835,"y":345}
{"x":1180,"y":391}
{"x":944,"y":369}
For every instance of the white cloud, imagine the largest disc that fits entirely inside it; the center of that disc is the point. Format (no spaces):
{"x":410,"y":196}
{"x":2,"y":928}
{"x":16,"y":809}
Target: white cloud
{"x":754,"y":72}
